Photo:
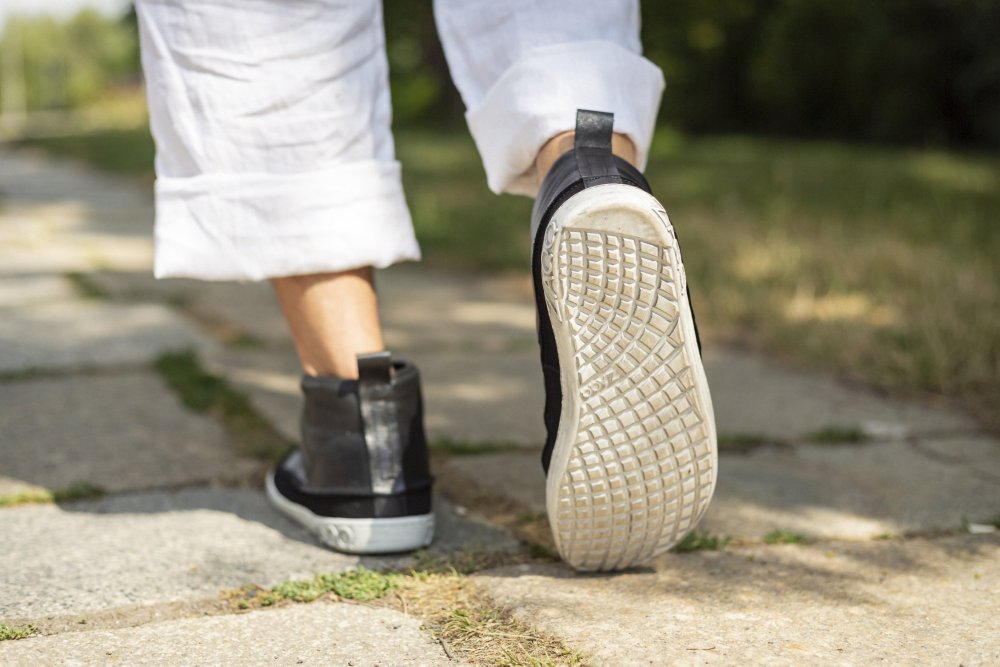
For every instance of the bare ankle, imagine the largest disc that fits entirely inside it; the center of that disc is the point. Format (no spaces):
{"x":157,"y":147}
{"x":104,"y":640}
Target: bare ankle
{"x":333,"y":318}
{"x":555,"y":147}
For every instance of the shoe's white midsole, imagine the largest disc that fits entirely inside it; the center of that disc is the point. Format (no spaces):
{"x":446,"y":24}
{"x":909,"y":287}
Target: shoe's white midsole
{"x":358,"y":536}
{"x":634,"y":462}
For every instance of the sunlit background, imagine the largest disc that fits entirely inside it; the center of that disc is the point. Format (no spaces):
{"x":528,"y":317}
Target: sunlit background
{"x":831,"y":167}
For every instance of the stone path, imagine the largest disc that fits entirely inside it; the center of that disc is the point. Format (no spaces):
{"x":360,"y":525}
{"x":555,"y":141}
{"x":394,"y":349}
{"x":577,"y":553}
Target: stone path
{"x":895,"y":560}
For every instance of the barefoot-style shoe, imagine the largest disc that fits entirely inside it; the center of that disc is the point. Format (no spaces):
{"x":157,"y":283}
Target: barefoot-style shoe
{"x":630,"y":455}
{"x":361,"y":480}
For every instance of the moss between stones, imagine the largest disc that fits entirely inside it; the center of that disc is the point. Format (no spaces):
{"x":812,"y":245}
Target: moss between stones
{"x":211,"y":394}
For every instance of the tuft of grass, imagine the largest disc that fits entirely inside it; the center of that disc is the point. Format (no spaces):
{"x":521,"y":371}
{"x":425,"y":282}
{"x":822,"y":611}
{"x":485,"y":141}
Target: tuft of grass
{"x":779,"y":536}
{"x":454,"y":447}
{"x":77,"y":491}
{"x":743,"y":442}
{"x":467,"y":623}
{"x":838,"y":435}
{"x":211,"y":394}
{"x":531,"y":517}
{"x":698,"y":540}
{"x":74,"y":492}
{"x":8,"y":632}
{"x":539,"y":551}
{"x":85,"y":286}
{"x":361,"y":585}
{"x":246,"y":340}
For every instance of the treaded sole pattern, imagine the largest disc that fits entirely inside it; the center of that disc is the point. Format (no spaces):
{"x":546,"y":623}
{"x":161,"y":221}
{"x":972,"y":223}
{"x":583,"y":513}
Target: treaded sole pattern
{"x":635,"y":456}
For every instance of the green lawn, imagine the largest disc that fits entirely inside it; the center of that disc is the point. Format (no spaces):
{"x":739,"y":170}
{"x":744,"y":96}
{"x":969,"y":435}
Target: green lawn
{"x":878,"y":264}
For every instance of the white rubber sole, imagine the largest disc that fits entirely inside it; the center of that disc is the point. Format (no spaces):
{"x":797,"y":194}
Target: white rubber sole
{"x":358,"y":536}
{"x":634,"y":463}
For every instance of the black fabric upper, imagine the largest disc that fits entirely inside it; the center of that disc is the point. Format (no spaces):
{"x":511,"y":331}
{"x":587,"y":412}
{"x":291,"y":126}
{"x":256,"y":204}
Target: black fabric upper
{"x":363,"y":451}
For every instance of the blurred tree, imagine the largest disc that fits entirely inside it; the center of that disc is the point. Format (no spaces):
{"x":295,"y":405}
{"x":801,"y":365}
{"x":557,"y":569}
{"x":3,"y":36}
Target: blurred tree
{"x":915,"y":71}
{"x":72,"y":63}
{"x":422,"y":90}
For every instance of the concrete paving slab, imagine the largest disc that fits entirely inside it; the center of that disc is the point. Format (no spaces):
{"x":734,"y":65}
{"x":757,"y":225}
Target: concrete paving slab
{"x":820,"y":491}
{"x":515,"y":476}
{"x":906,"y":602}
{"x":755,"y":396}
{"x":32,"y":177}
{"x":31,"y":290}
{"x":320,"y":633}
{"x":853,"y":491}
{"x":22,"y":256}
{"x":159,"y":547}
{"x":91,"y":334}
{"x":247,"y":308}
{"x":120,"y":432}
{"x":981,"y":453}
{"x":426,"y":310}
{"x":59,"y":216}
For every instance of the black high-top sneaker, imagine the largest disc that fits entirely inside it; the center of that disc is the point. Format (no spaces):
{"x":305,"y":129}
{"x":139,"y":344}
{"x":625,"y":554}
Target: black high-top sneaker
{"x":361,"y":480}
{"x":630,"y":455}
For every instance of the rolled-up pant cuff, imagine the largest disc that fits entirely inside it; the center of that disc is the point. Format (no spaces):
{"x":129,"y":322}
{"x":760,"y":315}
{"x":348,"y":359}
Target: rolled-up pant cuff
{"x":537,"y":98}
{"x":256,"y":226}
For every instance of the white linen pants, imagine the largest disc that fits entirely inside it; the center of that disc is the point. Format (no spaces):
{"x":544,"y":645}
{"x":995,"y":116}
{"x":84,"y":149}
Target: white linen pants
{"x":274,"y":153}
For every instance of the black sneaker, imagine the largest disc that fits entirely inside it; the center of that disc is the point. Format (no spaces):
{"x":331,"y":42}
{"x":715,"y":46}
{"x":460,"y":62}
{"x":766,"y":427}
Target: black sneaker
{"x":361,"y":480}
{"x":630,"y":455}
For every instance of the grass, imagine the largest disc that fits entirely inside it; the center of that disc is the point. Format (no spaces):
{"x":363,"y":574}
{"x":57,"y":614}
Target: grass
{"x":698,"y":540}
{"x":85,"y":286}
{"x":211,"y":394}
{"x":8,"y":632}
{"x":838,"y":434}
{"x":463,"y":447}
{"x":359,"y":585}
{"x":879,"y":264}
{"x":466,"y":623}
{"x":122,"y":151}
{"x":743,"y":442}
{"x":779,"y":536}
{"x":74,"y":492}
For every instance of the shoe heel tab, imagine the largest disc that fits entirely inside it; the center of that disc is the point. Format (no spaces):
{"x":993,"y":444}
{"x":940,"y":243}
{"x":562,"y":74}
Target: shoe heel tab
{"x":594,"y":129}
{"x":592,"y":146}
{"x":375,"y":368}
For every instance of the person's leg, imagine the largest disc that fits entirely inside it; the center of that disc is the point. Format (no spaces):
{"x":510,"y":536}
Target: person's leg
{"x":630,"y":452}
{"x":333,"y":318}
{"x":275,"y":162}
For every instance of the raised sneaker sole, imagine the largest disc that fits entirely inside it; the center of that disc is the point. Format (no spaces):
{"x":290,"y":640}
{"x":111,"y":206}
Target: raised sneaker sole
{"x":634,"y":463}
{"x":358,"y":536}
